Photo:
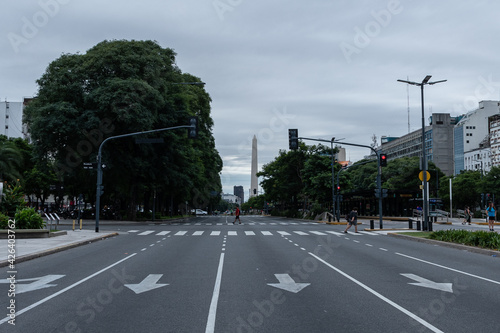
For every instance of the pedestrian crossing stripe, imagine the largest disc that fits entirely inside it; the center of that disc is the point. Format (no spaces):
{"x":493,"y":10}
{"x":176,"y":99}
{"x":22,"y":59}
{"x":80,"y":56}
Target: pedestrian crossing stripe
{"x":146,"y":232}
{"x":254,"y":233}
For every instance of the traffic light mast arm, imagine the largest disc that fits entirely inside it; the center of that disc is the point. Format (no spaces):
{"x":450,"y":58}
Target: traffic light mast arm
{"x":99,"y":164}
{"x":379,"y":169}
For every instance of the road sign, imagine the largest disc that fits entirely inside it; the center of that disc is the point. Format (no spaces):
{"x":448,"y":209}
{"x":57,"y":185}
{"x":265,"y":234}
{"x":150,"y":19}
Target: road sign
{"x":89,"y":166}
{"x":421,"y":176}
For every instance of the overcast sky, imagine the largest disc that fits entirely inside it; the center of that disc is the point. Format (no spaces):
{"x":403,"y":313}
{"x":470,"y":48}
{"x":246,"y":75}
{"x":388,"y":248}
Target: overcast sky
{"x":327,"y":68}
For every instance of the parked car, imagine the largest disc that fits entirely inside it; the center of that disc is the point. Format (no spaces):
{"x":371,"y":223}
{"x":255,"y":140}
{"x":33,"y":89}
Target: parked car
{"x":200,"y":212}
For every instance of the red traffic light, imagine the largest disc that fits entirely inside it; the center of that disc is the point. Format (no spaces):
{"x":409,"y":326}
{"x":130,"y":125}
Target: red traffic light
{"x":383,"y":160}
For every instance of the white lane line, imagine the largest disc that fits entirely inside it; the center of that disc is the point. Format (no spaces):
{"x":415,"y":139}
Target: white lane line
{"x":162,"y":233}
{"x":212,"y":313}
{"x":65,"y":289}
{"x":381,"y":248}
{"x":283,"y":233}
{"x":383,"y":298}
{"x":215,"y":233}
{"x":197,"y":233}
{"x":449,"y":268}
{"x":266,"y":233}
{"x":133,"y":231}
{"x":249,"y":233}
{"x":144,"y":249}
{"x":180,"y":233}
{"x":318,"y":233}
{"x":301,"y":233}
{"x":232,"y":233}
{"x":146,"y":233}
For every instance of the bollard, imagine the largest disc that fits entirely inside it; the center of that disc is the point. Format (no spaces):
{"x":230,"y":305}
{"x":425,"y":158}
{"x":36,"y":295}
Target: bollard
{"x":418,"y":225}
{"x":430,"y":225}
{"x":410,"y":224}
{"x":81,"y":224}
{"x":73,"y":225}
{"x":329,"y":218}
{"x":372,"y":225}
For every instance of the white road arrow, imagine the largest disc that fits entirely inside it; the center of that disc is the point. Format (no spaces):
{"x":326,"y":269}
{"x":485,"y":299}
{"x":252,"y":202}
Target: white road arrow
{"x":39,"y":283}
{"x":149,"y":283}
{"x":287,"y":283}
{"x":421,"y":282}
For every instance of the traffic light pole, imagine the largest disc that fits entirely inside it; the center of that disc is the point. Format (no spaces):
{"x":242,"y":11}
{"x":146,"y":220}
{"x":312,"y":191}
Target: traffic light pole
{"x":99,"y":164}
{"x":379,"y":173}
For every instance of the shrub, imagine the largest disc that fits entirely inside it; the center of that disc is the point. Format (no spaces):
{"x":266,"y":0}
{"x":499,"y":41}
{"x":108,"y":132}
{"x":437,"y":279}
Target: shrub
{"x":28,"y":218}
{"x":13,"y":199}
{"x":489,"y":240}
{"x":4,"y":221}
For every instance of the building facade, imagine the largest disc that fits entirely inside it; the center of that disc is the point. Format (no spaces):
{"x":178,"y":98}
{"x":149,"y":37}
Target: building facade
{"x":438,"y":143}
{"x":478,"y":160}
{"x":231,"y":198}
{"x":238,"y":191}
{"x":11,"y":119}
{"x":471,"y":131}
{"x":494,"y":140}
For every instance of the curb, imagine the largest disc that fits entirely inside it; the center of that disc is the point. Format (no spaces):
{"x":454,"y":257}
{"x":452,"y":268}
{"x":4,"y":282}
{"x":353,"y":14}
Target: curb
{"x":462,"y":247}
{"x":27,"y":257}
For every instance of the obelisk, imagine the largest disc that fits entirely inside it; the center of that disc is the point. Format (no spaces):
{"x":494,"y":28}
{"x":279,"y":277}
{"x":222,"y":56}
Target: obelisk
{"x":254,"y":181}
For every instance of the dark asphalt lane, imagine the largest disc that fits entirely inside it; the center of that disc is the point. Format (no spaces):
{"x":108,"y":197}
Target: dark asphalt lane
{"x":222,"y":283}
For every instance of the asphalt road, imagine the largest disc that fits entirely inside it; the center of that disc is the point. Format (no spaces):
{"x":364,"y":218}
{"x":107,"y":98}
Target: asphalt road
{"x":266,"y":275}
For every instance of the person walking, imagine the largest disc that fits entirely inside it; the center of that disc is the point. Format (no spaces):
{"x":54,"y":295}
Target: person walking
{"x":467,"y":215}
{"x":237,"y":213}
{"x":492,"y":214}
{"x":353,"y":220}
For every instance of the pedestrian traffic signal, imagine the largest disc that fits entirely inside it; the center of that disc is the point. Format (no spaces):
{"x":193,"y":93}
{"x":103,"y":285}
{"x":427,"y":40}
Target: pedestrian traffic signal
{"x":193,"y":129}
{"x":383,"y":160}
{"x":293,"y":139}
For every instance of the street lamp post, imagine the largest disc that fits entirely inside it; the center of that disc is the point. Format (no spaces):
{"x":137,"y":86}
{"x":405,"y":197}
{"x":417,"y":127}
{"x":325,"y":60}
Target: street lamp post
{"x":425,"y":208}
{"x":333,"y":179}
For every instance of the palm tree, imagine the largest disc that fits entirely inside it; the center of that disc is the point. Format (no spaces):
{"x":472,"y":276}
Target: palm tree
{"x":10,"y":161}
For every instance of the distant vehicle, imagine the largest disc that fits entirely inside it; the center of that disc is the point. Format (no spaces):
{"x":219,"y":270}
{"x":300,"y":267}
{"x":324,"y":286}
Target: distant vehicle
{"x":200,"y":212}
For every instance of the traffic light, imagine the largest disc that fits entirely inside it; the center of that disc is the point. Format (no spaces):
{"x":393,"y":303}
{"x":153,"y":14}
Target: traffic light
{"x":193,"y":129}
{"x":293,"y":139}
{"x":383,"y":160}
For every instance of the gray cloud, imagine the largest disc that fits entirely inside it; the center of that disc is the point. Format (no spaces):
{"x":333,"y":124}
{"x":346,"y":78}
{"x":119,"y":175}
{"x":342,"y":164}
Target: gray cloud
{"x":332,"y":65}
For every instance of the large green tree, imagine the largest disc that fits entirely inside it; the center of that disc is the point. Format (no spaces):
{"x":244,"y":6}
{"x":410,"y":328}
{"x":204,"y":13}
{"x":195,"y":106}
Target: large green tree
{"x":120,"y":87}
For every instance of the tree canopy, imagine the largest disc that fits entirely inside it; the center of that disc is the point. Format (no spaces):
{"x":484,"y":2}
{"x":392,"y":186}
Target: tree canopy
{"x":119,"y":87}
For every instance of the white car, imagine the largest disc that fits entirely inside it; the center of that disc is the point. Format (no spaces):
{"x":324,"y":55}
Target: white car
{"x":200,"y":212}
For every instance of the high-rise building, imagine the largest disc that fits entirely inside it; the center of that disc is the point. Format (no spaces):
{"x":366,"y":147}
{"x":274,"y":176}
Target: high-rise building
{"x":438,"y":143}
{"x":238,"y":191}
{"x":472,"y":130}
{"x":11,"y":119}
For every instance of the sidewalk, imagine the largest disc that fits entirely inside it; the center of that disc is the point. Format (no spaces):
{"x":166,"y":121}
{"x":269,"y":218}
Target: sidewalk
{"x":29,"y":248}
